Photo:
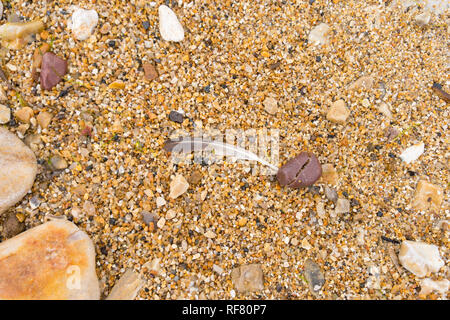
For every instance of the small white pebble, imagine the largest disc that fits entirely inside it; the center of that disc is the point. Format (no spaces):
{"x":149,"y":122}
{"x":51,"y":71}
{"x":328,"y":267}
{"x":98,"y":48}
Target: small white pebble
{"x":412,"y":153}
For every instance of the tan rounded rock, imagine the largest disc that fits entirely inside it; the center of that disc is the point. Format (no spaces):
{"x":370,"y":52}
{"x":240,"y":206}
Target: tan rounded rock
{"x":53,"y":261}
{"x":18,"y":169}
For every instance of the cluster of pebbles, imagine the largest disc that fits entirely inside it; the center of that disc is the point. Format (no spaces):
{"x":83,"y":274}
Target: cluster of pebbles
{"x":91,"y":93}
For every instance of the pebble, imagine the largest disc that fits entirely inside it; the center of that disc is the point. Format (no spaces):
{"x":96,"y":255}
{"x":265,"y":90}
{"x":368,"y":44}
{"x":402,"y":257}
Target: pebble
{"x":127,"y":287}
{"x":423,"y":18}
{"x":5,"y":114}
{"x":342,"y":206}
{"x":161,"y":222}
{"x":11,"y":225}
{"x":412,"y":153}
{"x":171,"y":214}
{"x":209,"y":234}
{"x":53,"y":69}
{"x":153,"y":266}
{"x":305,"y":244}
{"x":383,"y":108}
{"x":89,"y":208}
{"x":248,"y":278}
{"x":176,"y":117}
{"x":373,"y":281}
{"x":319,"y":34}
{"x":196,"y":177}
{"x":178,"y":186}
{"x":44,"y":118}
{"x":58,"y":163}
{"x":365,"y":82}
{"x":60,"y":264}
{"x":270,"y":105}
{"x":217,"y":269}
{"x":24,"y":114}
{"x":338,"y":112}
{"x":106,"y":28}
{"x":427,"y":197}
{"x":150,"y":71}
{"x":18,"y":168}
{"x":150,"y":217}
{"x":428,"y":286}
{"x":301,"y":171}
{"x":160,"y":201}
{"x":331,"y":194}
{"x":329,"y":174}
{"x":314,"y":276}
{"x":420,"y":258}
{"x":83,"y":23}
{"x":169,"y":26}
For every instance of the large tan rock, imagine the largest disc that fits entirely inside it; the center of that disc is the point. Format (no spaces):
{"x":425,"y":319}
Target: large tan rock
{"x":248,"y":278}
{"x":53,"y":261}
{"x":18,"y":169}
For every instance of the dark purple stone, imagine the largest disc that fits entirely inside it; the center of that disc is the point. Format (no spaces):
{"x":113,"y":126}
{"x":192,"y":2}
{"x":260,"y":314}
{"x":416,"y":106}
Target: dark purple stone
{"x":301,"y":171}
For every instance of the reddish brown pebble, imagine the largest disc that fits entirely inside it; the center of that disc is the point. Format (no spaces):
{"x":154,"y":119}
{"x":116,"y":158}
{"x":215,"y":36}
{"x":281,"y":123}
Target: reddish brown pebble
{"x":53,"y":70}
{"x":301,"y":171}
{"x":150,"y":71}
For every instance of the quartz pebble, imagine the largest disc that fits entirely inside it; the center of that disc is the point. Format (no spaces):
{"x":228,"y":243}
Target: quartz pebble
{"x":171,"y":214}
{"x":58,"y":163}
{"x":314,"y":276}
{"x":412,"y":153}
{"x":18,"y":169}
{"x":338,"y":112}
{"x":427,"y":197}
{"x":342,"y":206}
{"x":329,"y":174}
{"x":331,"y":194}
{"x":44,"y":119}
{"x":420,"y":258}
{"x":383,"y":107}
{"x":5,"y":114}
{"x":248,"y":278}
{"x":60,"y":264}
{"x":423,"y":18}
{"x":365,"y":82}
{"x":83,"y":23}
{"x":270,"y":105}
{"x":428,"y":285}
{"x":319,"y":34}
{"x":160,"y":202}
{"x":24,"y":114}
{"x":169,"y":26}
{"x":178,"y":186}
{"x":127,"y":287}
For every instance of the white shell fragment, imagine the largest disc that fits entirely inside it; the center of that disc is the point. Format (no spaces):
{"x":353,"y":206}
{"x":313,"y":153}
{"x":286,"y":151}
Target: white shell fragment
{"x":169,"y":26}
{"x":83,"y":23}
{"x":413,"y":153}
{"x":420,"y":258}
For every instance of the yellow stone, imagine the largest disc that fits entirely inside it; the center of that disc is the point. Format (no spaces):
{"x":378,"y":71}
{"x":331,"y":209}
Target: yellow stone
{"x":117,"y":85}
{"x":338,"y":112}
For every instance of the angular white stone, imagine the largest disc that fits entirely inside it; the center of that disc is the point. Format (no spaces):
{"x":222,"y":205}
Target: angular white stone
{"x":127,"y":287}
{"x":412,"y":153}
{"x":428,"y":285}
{"x":420,"y":258}
{"x":18,"y":169}
{"x":319,"y":34}
{"x":83,"y":23}
{"x":55,"y":261}
{"x":178,"y":186}
{"x":169,"y":26}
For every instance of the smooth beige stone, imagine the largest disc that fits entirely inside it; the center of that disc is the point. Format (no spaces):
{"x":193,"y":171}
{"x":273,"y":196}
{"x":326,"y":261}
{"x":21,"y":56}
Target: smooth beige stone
{"x":427,"y":197}
{"x":338,"y":112}
{"x":18,"y":169}
{"x":365,"y":82}
{"x":44,"y":119}
{"x":270,"y":105}
{"x":53,"y":261}
{"x":127,"y":287}
{"x":319,"y":34}
{"x":24,"y":114}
